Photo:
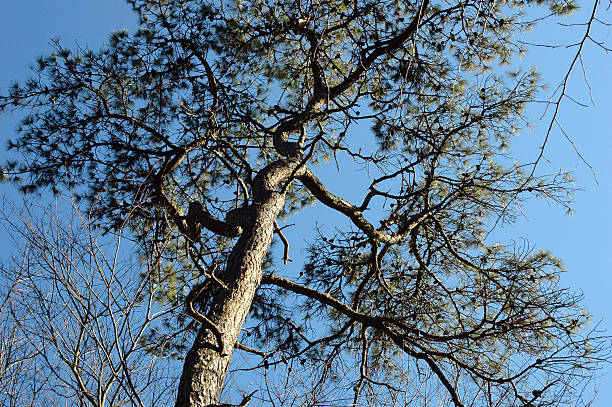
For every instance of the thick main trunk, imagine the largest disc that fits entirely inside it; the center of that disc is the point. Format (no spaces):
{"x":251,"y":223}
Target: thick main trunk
{"x":205,"y":367}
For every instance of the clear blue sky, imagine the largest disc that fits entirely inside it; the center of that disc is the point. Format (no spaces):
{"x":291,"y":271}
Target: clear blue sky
{"x":582,"y":239}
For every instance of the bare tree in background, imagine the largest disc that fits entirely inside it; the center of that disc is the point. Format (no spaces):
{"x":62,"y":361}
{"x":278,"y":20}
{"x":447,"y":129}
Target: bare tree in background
{"x":209,"y":125}
{"x":78,"y":314}
{"x":14,"y":351}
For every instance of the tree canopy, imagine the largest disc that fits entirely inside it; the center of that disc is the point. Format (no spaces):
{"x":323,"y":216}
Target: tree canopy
{"x":209,"y":124}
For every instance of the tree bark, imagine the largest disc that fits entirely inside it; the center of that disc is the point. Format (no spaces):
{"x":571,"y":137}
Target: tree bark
{"x":205,"y":366}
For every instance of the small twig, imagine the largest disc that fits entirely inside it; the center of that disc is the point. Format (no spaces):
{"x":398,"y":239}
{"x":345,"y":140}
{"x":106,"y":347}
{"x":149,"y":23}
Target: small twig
{"x":422,"y":266}
{"x":193,"y":313}
{"x":569,"y":139}
{"x":282,"y":237}
{"x":245,"y":348}
{"x":375,"y":266}
{"x":247,"y":398}
{"x":243,"y":403}
{"x":207,"y":274}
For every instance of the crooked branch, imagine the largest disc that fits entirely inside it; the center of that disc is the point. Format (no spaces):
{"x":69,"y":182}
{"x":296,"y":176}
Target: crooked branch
{"x":282,"y":237}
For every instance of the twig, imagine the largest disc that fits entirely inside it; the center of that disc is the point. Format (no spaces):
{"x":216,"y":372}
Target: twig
{"x":282,"y":237}
{"x":245,"y":348}
{"x":193,"y":313}
{"x":243,"y":403}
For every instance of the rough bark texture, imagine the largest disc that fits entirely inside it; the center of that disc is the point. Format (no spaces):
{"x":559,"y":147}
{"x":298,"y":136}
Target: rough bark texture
{"x":205,"y":367}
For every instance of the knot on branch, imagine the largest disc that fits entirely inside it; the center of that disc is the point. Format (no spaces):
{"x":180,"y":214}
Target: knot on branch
{"x":197,"y":216}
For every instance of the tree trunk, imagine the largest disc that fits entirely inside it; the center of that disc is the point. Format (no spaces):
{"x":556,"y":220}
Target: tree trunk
{"x":205,"y":367}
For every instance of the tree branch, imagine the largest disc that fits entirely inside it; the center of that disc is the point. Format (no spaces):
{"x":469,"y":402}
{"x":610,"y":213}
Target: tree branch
{"x":193,"y":313}
{"x":198,"y":215}
{"x":367,"y":320}
{"x":316,"y":187}
{"x":282,"y":237}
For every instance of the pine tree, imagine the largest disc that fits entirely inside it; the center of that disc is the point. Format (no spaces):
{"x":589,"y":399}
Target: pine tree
{"x":210,"y":123}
